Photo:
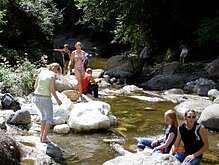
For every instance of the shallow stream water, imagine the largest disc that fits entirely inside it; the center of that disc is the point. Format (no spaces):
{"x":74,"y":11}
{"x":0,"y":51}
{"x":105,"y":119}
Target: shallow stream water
{"x":135,"y":119}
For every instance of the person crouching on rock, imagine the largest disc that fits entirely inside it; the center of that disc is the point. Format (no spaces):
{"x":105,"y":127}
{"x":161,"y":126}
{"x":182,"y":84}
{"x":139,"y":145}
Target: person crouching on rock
{"x":164,"y":144}
{"x":44,"y":87}
{"x":194,"y":138}
{"x":89,"y":85}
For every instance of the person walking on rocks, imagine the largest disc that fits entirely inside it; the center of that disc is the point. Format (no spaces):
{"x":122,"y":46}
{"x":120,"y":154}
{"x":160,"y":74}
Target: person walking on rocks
{"x":44,"y":87}
{"x":163,"y":144}
{"x":194,"y":138}
{"x":78,"y":57}
{"x":184,"y":52}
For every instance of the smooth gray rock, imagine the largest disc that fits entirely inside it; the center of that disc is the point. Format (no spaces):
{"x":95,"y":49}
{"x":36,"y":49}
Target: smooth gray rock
{"x":210,"y":117}
{"x":213,"y":93}
{"x":123,"y":66}
{"x":174,"y":91}
{"x":213,"y":68}
{"x":200,"y":86}
{"x":20,"y":117}
{"x":9,"y":151}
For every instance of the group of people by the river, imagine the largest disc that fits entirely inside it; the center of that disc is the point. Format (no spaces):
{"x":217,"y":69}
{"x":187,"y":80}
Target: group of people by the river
{"x":45,"y":84}
{"x":192,"y":134}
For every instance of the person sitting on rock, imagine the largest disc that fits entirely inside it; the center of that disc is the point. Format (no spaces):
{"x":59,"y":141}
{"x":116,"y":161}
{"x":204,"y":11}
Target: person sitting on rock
{"x":164,"y":144}
{"x":194,"y":138}
{"x":44,"y":87}
{"x":89,"y":85}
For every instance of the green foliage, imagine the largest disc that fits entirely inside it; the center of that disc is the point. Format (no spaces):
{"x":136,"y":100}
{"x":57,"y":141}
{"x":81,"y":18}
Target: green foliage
{"x":29,"y":25}
{"x":208,"y":32}
{"x":17,"y":80}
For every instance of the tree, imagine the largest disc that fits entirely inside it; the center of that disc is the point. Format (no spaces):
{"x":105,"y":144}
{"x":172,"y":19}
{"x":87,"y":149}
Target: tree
{"x":29,"y":25}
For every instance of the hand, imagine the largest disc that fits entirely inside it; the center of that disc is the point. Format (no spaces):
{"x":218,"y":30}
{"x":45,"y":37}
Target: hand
{"x":155,"y":149}
{"x":154,"y":143}
{"x":59,"y":102}
{"x":189,"y":158}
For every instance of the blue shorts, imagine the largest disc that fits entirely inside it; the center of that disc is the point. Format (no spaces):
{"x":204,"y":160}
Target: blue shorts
{"x":45,"y":106}
{"x":181,"y":156}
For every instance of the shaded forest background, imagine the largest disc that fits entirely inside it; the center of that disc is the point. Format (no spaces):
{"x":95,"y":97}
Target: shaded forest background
{"x":27,"y":26}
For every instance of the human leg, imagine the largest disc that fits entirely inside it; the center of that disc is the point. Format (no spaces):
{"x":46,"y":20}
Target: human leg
{"x":78,"y":75}
{"x":195,"y":161}
{"x":95,"y":89}
{"x":180,"y":156}
{"x":144,"y":142}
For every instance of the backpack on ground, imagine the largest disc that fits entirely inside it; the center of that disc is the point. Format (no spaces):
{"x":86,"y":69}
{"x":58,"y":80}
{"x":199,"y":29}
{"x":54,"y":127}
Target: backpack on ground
{"x":8,"y":102}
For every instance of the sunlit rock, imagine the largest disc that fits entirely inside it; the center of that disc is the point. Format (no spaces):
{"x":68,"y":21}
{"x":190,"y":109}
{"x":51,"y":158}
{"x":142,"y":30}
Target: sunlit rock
{"x":62,"y":129}
{"x":90,"y":116}
{"x":210,"y":117}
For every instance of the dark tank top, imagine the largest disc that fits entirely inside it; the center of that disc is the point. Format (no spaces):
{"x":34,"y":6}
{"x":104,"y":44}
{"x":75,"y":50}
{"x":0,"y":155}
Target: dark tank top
{"x":66,"y":56}
{"x":191,"y":139}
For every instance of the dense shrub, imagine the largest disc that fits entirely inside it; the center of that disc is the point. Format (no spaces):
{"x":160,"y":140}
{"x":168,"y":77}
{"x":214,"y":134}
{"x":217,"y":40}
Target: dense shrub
{"x":18,"y":80}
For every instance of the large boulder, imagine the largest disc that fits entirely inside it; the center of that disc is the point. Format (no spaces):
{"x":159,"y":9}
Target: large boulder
{"x":90,"y":116}
{"x":63,"y":83}
{"x":214,"y":93}
{"x":9,"y":151}
{"x":20,"y":117}
{"x":198,"y":105}
{"x":213,"y":68}
{"x":61,"y":112}
{"x":210,"y":117}
{"x":123,"y":66}
{"x":141,"y":159}
{"x":164,"y":82}
{"x":200,"y":86}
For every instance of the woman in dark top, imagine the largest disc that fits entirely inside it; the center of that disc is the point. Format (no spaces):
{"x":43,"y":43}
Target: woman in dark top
{"x":66,"y":57}
{"x":194,"y":138}
{"x":164,"y":144}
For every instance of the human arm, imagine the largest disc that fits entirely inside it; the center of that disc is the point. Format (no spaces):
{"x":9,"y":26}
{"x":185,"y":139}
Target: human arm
{"x":176,"y":144}
{"x":36,"y":83}
{"x":71,"y":60}
{"x":53,"y":89}
{"x":204,"y":138}
{"x":59,"y":50}
{"x":155,"y":142}
{"x":167,"y":143}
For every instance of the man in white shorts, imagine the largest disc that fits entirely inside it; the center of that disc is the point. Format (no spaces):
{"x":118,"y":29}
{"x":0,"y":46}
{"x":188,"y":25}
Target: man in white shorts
{"x":184,"y":53}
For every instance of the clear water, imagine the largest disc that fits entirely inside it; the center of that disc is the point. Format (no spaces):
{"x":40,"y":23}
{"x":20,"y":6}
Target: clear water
{"x":135,"y":119}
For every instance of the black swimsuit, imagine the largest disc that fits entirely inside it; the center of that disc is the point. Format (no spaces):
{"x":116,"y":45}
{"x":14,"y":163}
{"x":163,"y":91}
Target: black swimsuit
{"x":66,"y":55}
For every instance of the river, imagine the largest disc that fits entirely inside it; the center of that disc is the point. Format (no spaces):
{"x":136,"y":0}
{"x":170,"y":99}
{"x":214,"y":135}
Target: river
{"x":135,"y":119}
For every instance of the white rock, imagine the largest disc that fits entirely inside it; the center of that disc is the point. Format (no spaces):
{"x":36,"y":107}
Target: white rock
{"x":62,"y":129}
{"x":197,"y":105}
{"x":174,"y":91}
{"x":89,"y":116}
{"x":5,"y":114}
{"x":131,"y":88}
{"x":32,"y":108}
{"x":33,"y":150}
{"x":210,"y":117}
{"x":103,"y":83}
{"x":148,"y":99}
{"x":141,"y":159}
{"x":61,"y":112}
{"x":97,"y":73}
{"x":213,"y":93}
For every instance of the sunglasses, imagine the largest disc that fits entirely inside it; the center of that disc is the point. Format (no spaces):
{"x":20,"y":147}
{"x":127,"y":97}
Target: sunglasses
{"x":191,"y":117}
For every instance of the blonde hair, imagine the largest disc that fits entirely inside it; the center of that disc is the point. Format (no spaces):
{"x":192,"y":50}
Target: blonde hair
{"x":172,"y":115}
{"x":55,"y":67}
{"x":78,"y":43}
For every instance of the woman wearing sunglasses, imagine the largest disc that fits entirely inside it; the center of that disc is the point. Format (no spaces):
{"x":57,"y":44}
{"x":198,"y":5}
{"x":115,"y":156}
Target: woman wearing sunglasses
{"x":194,"y":138}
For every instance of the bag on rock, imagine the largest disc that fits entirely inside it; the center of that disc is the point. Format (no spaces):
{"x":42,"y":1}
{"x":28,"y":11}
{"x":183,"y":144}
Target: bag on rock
{"x":8,"y":102}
